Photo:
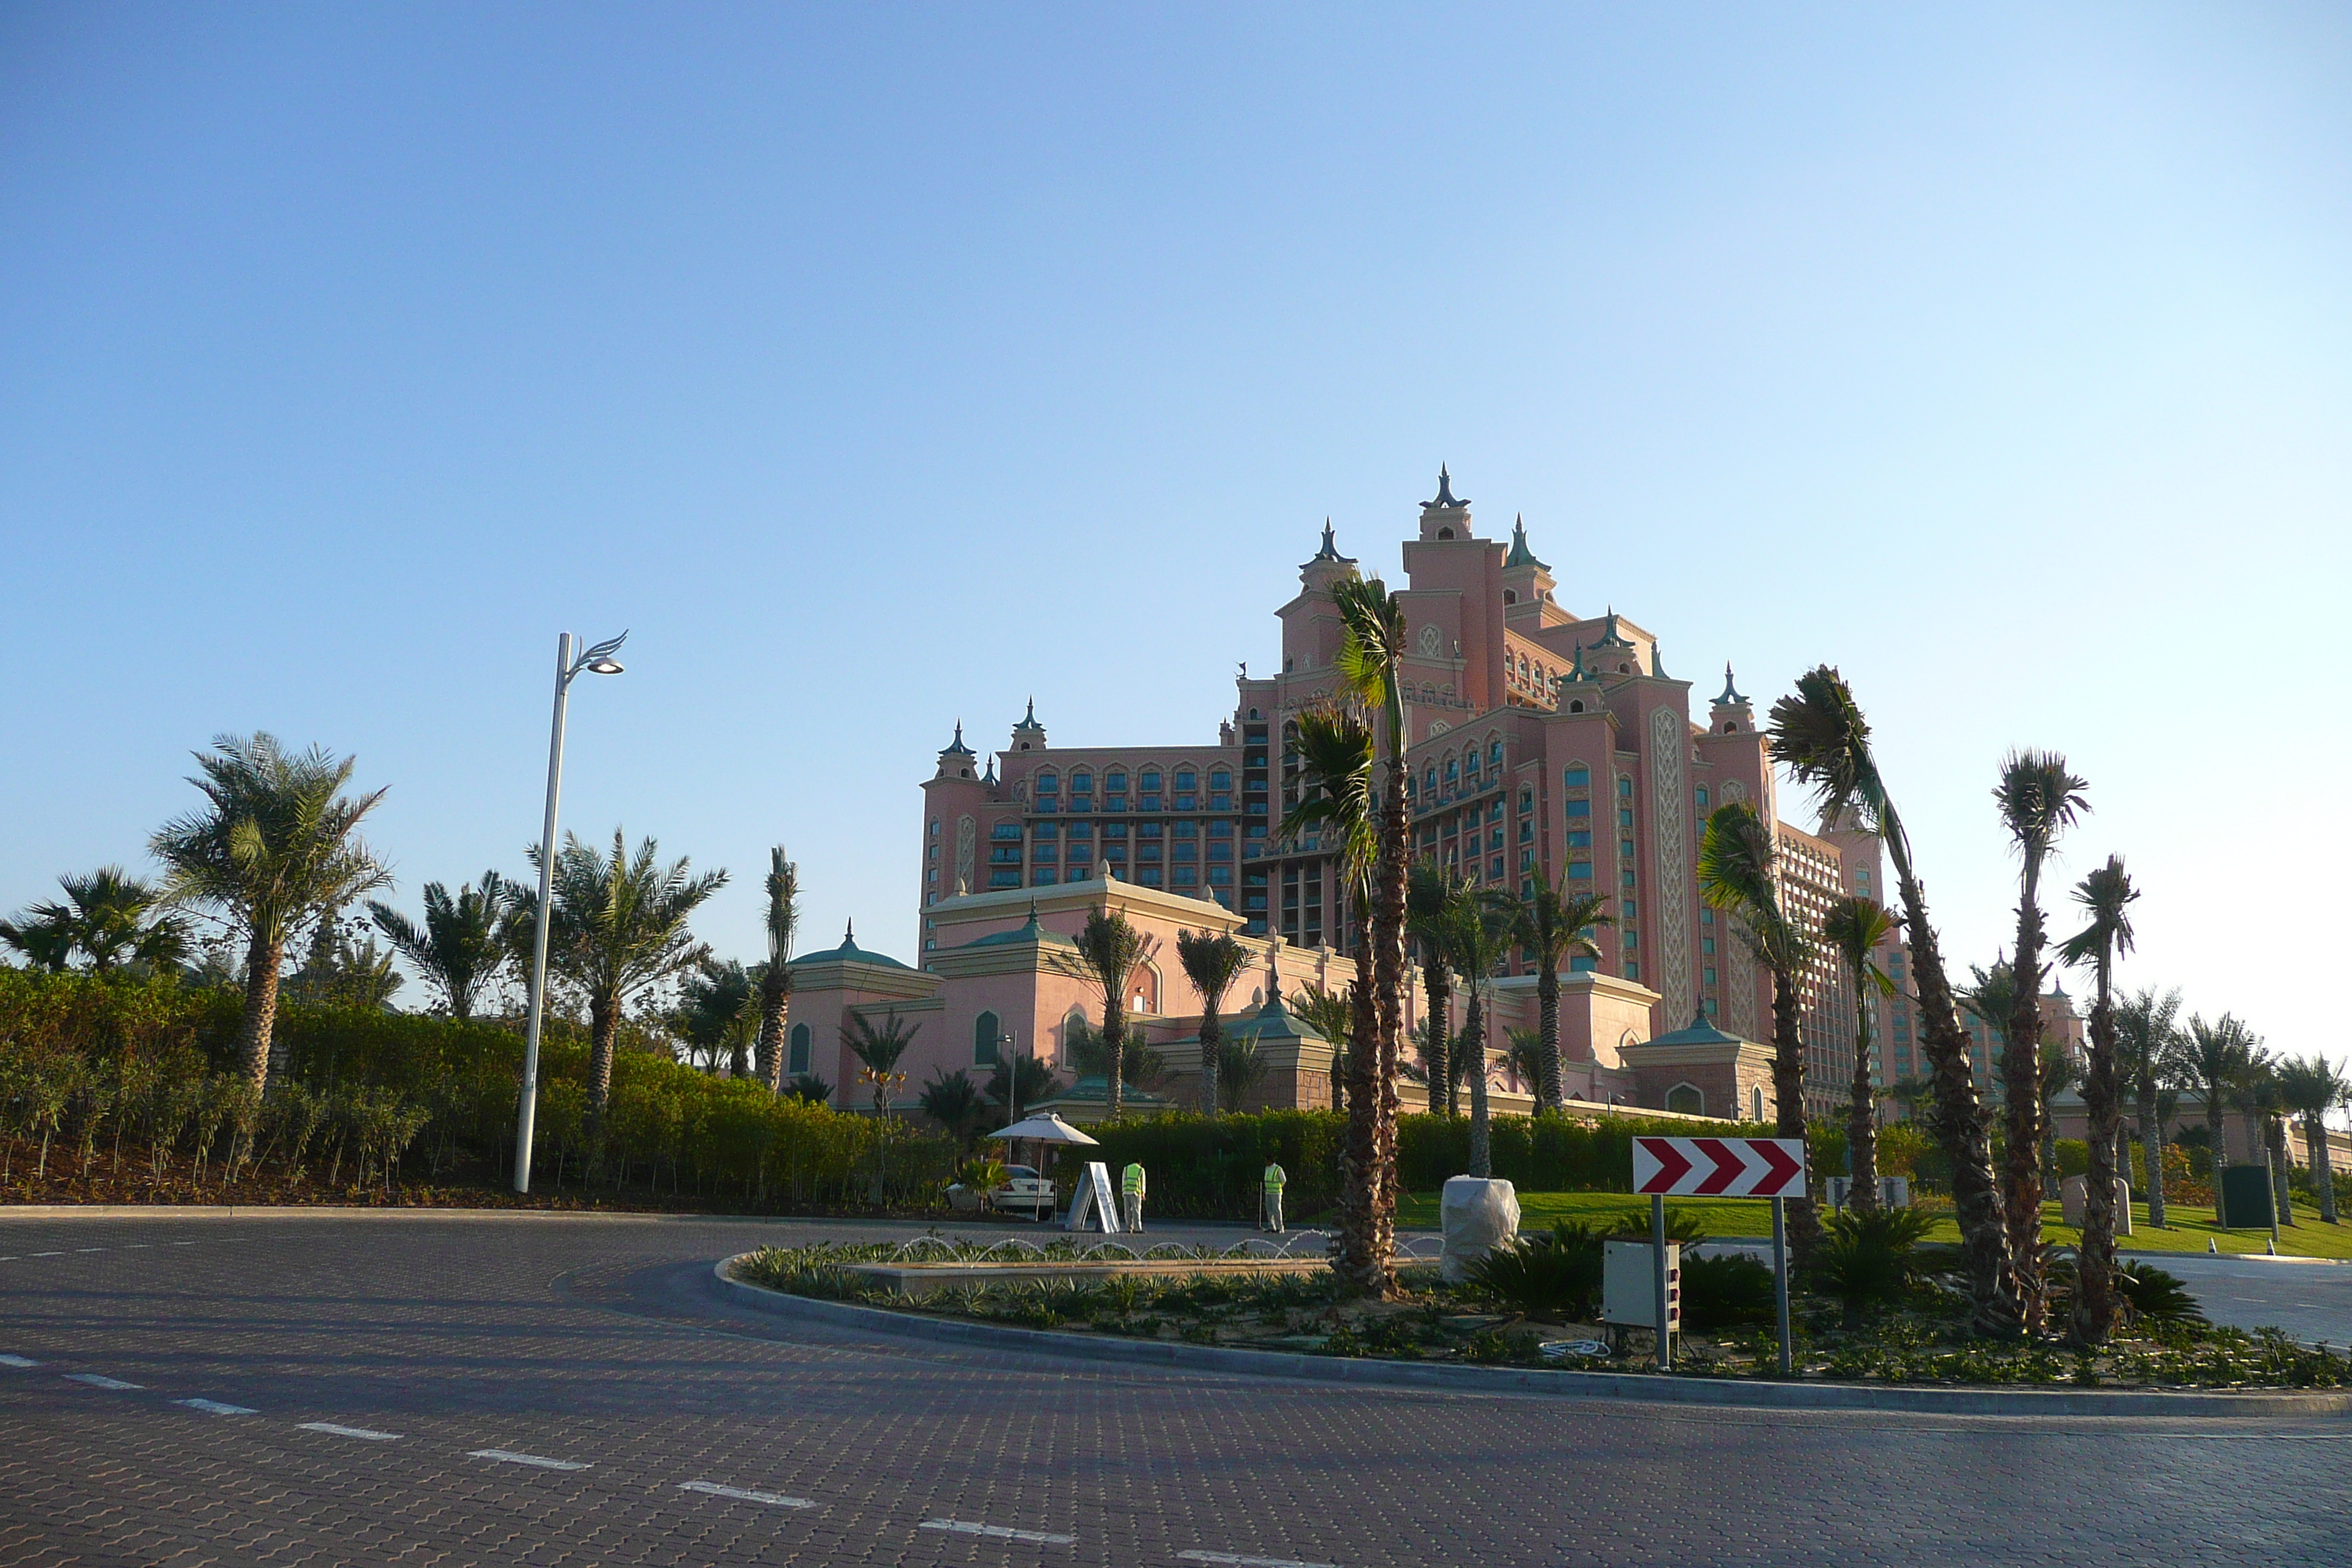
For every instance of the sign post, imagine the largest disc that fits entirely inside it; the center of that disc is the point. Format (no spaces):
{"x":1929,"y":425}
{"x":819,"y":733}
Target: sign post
{"x":1658,"y":1241}
{"x":1722,"y":1168}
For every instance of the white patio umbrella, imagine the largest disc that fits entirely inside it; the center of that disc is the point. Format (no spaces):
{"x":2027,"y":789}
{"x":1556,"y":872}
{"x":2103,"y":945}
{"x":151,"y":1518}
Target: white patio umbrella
{"x":1046,"y":1128}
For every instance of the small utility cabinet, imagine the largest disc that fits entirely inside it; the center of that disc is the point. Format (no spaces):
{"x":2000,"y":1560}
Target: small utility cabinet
{"x":1629,"y":1286}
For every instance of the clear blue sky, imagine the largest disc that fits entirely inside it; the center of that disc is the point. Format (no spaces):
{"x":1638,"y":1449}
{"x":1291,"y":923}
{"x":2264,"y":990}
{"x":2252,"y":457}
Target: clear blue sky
{"x":878,"y":366}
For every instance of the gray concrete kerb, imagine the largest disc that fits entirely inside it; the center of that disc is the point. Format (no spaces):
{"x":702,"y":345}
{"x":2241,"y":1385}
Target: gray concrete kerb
{"x":1627,"y":1387}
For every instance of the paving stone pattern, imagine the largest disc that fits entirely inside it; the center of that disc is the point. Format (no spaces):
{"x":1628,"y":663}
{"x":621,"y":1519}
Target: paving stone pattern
{"x":599,"y":1344}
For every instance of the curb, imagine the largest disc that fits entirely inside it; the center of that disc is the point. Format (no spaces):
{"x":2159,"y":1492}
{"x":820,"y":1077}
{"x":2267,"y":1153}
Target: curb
{"x":1628,"y":1387}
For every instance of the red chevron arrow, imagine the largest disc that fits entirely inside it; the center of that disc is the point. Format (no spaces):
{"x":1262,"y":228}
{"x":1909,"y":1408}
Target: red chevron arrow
{"x":1729,"y":1165}
{"x":1673,"y":1165}
{"x":1781,"y":1166}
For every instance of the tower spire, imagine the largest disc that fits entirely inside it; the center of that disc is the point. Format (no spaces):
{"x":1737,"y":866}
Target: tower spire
{"x":1731,"y":692}
{"x":1445,"y":496}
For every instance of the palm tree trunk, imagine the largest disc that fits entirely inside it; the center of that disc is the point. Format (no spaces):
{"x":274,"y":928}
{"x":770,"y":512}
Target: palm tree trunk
{"x":2021,"y":1077}
{"x":1394,"y":976}
{"x":2323,"y":1171}
{"x":1212,"y":1041}
{"x":2151,"y":1152}
{"x":256,"y":1030}
{"x":1439,"y":1026}
{"x":1474,"y":1052}
{"x":1862,"y":1117}
{"x":2282,"y":1191}
{"x":2094,"y":1300}
{"x":775,"y":998}
{"x":1360,"y":1262}
{"x":603,"y":1031}
{"x":1789,"y":1097}
{"x":1959,"y":1121}
{"x":1113,"y":1049}
{"x":2217,"y":1143}
{"x":1551,"y":1092}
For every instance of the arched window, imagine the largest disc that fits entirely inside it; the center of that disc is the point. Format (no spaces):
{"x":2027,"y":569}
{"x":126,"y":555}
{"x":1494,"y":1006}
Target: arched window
{"x":1470,"y":763}
{"x":1048,"y":783}
{"x":1576,"y":707}
{"x":1432,"y":780}
{"x":1445,"y":533}
{"x":1150,"y":781}
{"x":1509,"y":597}
{"x":1187,"y":779}
{"x":1115,"y":781}
{"x":1687,"y":1098}
{"x":1702,"y":794}
{"x":1494,"y":755}
{"x":1220,"y":779}
{"x":1082,"y":783}
{"x":984,"y":1032}
{"x":1453,"y":770}
{"x":799,"y":1060}
{"x":1756,"y":1104}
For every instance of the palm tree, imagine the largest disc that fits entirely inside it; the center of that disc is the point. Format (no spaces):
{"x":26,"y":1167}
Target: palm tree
{"x":1335,"y":752}
{"x":2039,"y":799}
{"x":955,"y":1102}
{"x":460,"y":949}
{"x":2215,"y":1059}
{"x":1330,"y":1014}
{"x":1429,"y":891}
{"x":2263,"y":1098}
{"x":2106,"y":896}
{"x":2312,"y":1087}
{"x":1213,"y":961}
{"x":1737,"y":871}
{"x":276,"y":846}
{"x":1371,"y":654}
{"x":1819,"y":734}
{"x":1023,"y":1080}
{"x":1106,"y":954}
{"x":782,"y":923}
{"x":1478,"y":935}
{"x":2146,"y":1040}
{"x":1550,"y":925}
{"x":109,"y":916}
{"x":1526,"y":1055}
{"x":2058,"y":1074}
{"x":1856,"y":927}
{"x":718,"y":1011}
{"x":879,"y":1049}
{"x":617,"y":927}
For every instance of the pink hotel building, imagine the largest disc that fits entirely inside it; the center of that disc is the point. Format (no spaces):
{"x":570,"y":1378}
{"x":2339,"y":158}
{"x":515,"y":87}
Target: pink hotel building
{"x":1543,"y":744}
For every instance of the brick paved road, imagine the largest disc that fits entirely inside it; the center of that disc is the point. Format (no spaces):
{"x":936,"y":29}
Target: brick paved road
{"x":595,"y":1344}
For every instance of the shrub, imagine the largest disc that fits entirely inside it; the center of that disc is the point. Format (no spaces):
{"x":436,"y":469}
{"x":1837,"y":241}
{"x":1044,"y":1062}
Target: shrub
{"x":2155,"y":1296}
{"x":1869,"y":1259}
{"x":1557,"y":1273}
{"x":1721,"y":1291}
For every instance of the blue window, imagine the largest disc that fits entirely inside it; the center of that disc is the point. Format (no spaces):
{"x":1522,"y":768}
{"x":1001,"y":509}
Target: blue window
{"x":1148,"y":780}
{"x":1453,"y":770}
{"x":1624,"y":819}
{"x":1221,"y":875}
{"x":1005,"y":830}
{"x":1625,"y":789}
{"x":1043,"y":877}
{"x":1149,"y":876}
{"x":1632,"y":970}
{"x":1001,"y":854}
{"x":1577,"y":778}
{"x":1580,"y":870}
{"x":1629,"y":913}
{"x":1710,"y":979}
{"x":1580,"y":840}
{"x":1494,"y":756}
{"x":1004,"y":878}
{"x":1221,"y":851}
{"x":1046,"y":854}
{"x":1219,"y":778}
{"x":984,"y":1032}
{"x":1188,"y":852}
{"x":1494,"y":870}
{"x":1049,"y":783}
{"x":1702,"y":794}
{"x":1580,"y":808}
{"x":799,"y":1062}
{"x":1115,"y":781}
{"x":1625,"y":879}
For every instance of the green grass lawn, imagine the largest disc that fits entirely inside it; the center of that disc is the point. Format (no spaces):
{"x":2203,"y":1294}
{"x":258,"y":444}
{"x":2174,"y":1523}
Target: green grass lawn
{"x":2189,"y":1230}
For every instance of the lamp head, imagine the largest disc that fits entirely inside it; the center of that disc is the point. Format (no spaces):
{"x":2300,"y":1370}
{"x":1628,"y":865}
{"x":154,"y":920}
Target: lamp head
{"x":599,"y":659}
{"x":605,"y":667}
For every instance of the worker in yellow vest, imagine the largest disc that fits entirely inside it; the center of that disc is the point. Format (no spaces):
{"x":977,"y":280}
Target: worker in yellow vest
{"x":1130,"y":1190}
{"x":1273,"y":1180}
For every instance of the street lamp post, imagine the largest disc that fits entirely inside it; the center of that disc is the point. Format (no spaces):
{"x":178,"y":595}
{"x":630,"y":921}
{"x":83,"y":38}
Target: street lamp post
{"x":596,"y":660}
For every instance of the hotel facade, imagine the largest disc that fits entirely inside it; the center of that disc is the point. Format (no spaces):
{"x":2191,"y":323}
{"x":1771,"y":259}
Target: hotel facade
{"x":1543,"y":743}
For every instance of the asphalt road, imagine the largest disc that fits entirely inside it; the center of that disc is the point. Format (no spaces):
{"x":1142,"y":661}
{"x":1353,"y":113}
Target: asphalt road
{"x":450,"y":1391}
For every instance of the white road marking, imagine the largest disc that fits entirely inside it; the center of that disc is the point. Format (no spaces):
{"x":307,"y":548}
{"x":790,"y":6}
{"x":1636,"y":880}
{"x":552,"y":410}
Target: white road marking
{"x":997,"y":1531}
{"x":775,"y":1499}
{"x":135,"y":1245}
{"x":214,"y":1407}
{"x":331,"y":1430}
{"x":1241,"y":1561}
{"x":17,"y":1361}
{"x":184,"y":1244}
{"x":95,"y":1380}
{"x":89,"y":1249}
{"x":514,"y":1459}
{"x":45,"y":1255}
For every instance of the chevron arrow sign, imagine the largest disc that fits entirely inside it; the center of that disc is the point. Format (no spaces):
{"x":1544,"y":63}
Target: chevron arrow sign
{"x":1720,"y":1167}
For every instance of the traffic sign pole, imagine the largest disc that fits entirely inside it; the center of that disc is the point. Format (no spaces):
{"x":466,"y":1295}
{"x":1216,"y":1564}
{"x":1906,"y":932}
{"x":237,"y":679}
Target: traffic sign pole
{"x":1658,"y":1236}
{"x":1779,"y":1273}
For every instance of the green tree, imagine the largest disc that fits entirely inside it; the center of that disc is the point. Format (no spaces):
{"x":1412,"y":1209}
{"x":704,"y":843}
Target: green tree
{"x":955,"y":1102}
{"x":1856,"y":927}
{"x":461,"y":948}
{"x":1371,"y":661}
{"x":2039,"y":799}
{"x":781,"y":924}
{"x":1106,"y":953}
{"x":2312,"y":1087}
{"x":2106,"y":896}
{"x":2263,"y":1098}
{"x":1549,"y":924}
{"x":719,"y":1013}
{"x":2147,"y":1040}
{"x":1478,"y":936}
{"x":109,"y":917}
{"x":1738,"y":873}
{"x":1336,"y":751}
{"x":1819,"y":734}
{"x":1430,"y":891}
{"x":1213,"y":961}
{"x":2215,"y":1059}
{"x":1330,"y":1014}
{"x":617,"y":928}
{"x":877,"y":1049}
{"x":276,"y":846}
